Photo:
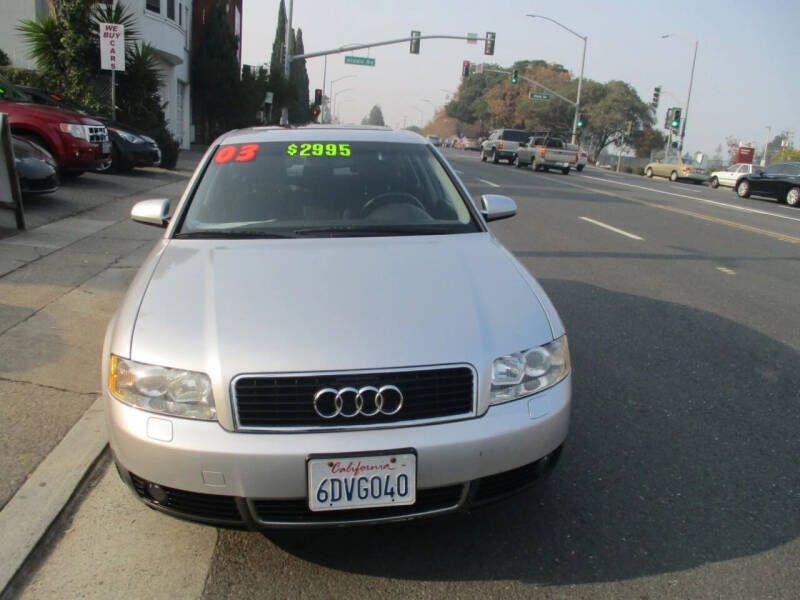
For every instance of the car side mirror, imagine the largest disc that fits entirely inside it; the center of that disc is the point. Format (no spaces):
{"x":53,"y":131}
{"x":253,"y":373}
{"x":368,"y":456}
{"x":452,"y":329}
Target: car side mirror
{"x":494,"y":207}
{"x":151,"y":212}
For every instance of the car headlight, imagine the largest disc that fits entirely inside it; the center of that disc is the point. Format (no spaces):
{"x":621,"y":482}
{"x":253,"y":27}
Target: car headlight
{"x":530,"y":371}
{"x":162,"y":390}
{"x":75,"y":130}
{"x":128,"y":136}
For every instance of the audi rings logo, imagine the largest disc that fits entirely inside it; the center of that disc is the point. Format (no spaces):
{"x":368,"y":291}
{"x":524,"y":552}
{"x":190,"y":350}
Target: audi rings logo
{"x":349,"y":402}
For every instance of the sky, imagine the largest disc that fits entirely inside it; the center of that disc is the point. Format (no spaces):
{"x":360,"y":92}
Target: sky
{"x":745,"y":78}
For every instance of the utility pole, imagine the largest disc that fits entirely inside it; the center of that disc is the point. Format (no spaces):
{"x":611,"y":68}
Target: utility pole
{"x":287,"y":61}
{"x":766,"y":145}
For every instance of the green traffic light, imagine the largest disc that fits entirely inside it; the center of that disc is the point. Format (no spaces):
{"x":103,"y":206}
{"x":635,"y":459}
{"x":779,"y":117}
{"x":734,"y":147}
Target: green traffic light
{"x":514,"y":77}
{"x":675,"y":123}
{"x":580,"y":123}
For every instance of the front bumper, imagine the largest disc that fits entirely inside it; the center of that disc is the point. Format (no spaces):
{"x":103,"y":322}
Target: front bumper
{"x":202,"y":472}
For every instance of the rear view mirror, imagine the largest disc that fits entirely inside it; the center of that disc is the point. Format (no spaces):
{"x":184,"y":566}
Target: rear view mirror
{"x":151,"y":212}
{"x":494,"y":207}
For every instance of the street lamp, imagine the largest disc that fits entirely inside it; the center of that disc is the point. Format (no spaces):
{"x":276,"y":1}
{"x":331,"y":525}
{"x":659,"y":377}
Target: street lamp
{"x":689,"y":97}
{"x":333,"y":100}
{"x":345,"y":101}
{"x":420,"y":115}
{"x":334,"y":81}
{"x":580,"y":80}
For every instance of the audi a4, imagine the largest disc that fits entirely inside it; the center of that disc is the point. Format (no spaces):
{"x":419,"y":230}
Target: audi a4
{"x":329,"y":334}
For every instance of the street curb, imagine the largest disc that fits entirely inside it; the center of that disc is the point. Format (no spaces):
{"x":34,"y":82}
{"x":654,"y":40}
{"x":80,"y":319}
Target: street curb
{"x":26,"y":518}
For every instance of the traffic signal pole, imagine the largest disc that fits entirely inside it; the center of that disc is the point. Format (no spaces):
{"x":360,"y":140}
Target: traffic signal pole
{"x":689,"y":97}
{"x":350,"y":47}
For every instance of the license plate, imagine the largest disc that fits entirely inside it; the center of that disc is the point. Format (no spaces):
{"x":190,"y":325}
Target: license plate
{"x":106,"y":147}
{"x":339,"y":483}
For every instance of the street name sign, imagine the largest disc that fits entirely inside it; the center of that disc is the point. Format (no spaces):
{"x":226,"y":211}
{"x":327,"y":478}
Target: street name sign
{"x":112,"y":46}
{"x":359,"y":60}
{"x":535,"y":96}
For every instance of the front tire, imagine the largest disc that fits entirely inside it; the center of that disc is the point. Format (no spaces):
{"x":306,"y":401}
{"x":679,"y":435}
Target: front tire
{"x":673,"y":176}
{"x":793,"y":196}
{"x":648,"y":172}
{"x":714,"y":182}
{"x":483,"y":156}
{"x":495,"y":159}
{"x":743,"y":189}
{"x":579,"y":168}
{"x":565,"y":171}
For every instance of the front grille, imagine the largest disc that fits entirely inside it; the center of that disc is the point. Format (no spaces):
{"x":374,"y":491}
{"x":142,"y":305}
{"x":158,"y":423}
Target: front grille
{"x":296,"y":510}
{"x":97,"y":134}
{"x":191,"y":504}
{"x":284,"y":401}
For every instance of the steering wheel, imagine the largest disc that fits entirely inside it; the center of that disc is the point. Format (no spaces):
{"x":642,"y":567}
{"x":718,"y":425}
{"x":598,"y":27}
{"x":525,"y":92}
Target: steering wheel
{"x":391,"y":198}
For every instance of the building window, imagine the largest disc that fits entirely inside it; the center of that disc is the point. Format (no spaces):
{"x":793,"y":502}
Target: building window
{"x":171,"y":9}
{"x":154,"y":5}
{"x":180,"y":14}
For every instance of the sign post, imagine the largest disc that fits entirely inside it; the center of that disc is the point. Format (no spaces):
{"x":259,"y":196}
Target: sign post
{"x":10,"y":194}
{"x":112,"y":56}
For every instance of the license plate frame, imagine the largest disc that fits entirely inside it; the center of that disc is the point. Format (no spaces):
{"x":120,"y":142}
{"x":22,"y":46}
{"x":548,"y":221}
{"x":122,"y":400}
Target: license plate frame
{"x":356,"y":474}
{"x":105,"y":147}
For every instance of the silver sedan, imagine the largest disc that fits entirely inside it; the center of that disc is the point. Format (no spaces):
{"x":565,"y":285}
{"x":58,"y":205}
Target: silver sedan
{"x":328,"y":333}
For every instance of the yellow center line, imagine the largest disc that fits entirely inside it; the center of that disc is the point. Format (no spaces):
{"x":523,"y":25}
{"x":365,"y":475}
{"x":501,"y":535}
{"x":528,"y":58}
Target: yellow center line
{"x":757,"y":230}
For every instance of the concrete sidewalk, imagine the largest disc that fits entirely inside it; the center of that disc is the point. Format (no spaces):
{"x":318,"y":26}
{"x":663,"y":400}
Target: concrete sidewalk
{"x":59,"y":285}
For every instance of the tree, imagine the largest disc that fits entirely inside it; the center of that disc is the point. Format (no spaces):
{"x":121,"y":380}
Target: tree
{"x":646,"y":140}
{"x":785,"y":154}
{"x":4,"y":60}
{"x":215,"y":74}
{"x":375,"y":117}
{"x":300,"y":109}
{"x":252,"y":91}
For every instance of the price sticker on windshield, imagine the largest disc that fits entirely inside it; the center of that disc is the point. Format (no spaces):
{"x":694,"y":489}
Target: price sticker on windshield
{"x":317,"y":149}
{"x":239,"y":154}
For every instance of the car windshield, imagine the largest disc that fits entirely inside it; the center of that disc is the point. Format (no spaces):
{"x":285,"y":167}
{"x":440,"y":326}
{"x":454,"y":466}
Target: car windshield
{"x":8,"y":91}
{"x":293,"y":189}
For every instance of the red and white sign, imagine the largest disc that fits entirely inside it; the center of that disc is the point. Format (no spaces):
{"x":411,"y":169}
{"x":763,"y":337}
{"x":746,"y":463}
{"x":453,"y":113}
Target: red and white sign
{"x":112,"y":46}
{"x":744,"y":154}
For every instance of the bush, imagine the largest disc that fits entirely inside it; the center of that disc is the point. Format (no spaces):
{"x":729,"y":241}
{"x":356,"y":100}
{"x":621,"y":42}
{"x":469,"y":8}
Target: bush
{"x":169,"y":147}
{"x":27,"y":77}
{"x":4,"y":60}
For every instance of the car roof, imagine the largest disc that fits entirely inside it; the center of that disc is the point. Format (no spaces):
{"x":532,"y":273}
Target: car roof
{"x":322,"y":133}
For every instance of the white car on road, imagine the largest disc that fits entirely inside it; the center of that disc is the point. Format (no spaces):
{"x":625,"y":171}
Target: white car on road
{"x":729,"y":176}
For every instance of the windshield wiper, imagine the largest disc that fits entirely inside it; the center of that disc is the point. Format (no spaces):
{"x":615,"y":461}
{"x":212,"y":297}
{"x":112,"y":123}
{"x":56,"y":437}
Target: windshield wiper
{"x":351,"y":231}
{"x":229,"y":234}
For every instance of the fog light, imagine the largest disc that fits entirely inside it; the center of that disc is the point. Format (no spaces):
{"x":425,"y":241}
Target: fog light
{"x":157,"y":493}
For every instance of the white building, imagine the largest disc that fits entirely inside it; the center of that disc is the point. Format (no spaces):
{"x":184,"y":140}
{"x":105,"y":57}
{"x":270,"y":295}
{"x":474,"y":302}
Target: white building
{"x":167,"y":26}
{"x":164,"y":24}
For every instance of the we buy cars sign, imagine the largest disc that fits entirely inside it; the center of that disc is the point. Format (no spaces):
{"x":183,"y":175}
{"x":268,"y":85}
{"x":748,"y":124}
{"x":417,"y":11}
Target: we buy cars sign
{"x":112,"y":46}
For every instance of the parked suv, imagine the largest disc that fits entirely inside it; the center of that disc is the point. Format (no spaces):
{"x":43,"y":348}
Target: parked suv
{"x":78,"y":143}
{"x":503,"y":144}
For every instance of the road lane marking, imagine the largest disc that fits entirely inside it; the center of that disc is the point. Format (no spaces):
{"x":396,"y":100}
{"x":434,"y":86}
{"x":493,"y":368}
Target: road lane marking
{"x":614,"y":229}
{"x":707,"y":201}
{"x":726,"y":270}
{"x":487,"y":182}
{"x":767,"y":232}
{"x":458,"y":172}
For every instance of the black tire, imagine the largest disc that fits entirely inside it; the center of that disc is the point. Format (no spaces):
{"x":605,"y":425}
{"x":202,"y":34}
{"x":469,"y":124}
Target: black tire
{"x":495,"y":159}
{"x":565,"y":171}
{"x":483,"y":156}
{"x":792,"y":197}
{"x":579,"y":168}
{"x":517,"y":162}
{"x":545,"y":168}
{"x":714,"y":182}
{"x":743,"y":189}
{"x":673,"y":176}
{"x":648,"y":172}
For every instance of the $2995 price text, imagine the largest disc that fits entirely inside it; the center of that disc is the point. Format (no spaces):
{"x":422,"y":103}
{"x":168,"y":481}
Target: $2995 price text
{"x":308,"y":149}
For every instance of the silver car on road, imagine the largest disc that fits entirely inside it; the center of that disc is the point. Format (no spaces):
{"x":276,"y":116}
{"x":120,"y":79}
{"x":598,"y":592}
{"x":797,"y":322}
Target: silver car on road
{"x":329,"y":334}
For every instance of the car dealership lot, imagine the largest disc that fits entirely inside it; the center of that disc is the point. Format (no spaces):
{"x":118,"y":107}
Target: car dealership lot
{"x":678,"y":480}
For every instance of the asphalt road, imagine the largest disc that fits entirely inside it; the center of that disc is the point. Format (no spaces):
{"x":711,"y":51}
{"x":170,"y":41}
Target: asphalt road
{"x":680,"y":476}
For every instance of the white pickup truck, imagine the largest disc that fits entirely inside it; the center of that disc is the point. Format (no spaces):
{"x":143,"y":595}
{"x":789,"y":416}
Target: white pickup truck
{"x":545,"y":153}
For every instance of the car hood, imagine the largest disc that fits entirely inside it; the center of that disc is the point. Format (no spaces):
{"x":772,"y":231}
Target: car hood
{"x":230,"y":307}
{"x":52,"y":112}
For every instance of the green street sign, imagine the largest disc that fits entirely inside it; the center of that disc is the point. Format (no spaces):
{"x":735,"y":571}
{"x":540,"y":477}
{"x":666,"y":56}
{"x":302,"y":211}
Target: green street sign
{"x":535,"y":96}
{"x":359,"y":60}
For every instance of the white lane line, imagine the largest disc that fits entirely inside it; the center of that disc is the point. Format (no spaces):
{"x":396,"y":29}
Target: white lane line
{"x":488,"y":182}
{"x":459,"y":172}
{"x":726,"y":270}
{"x":714,"y":202}
{"x":610,"y":228}
{"x":608,"y":175}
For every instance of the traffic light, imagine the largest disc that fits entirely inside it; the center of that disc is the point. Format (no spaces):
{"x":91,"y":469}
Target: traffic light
{"x":656,"y":95}
{"x":676,"y":119}
{"x":465,"y":69}
{"x":514,"y":76}
{"x":668,"y":119}
{"x":415,"y":42}
{"x":317,"y":97}
{"x":581,"y":121}
{"x":315,"y":112}
{"x":488,"y":46}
